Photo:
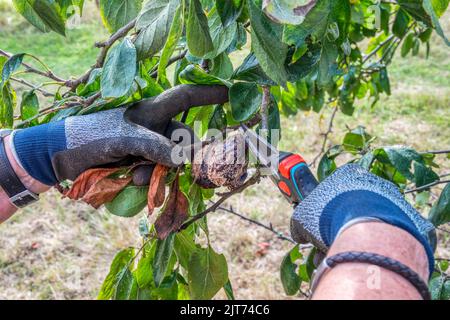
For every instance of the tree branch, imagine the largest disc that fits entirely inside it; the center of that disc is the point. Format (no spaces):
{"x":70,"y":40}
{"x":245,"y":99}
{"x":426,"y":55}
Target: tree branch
{"x":254,"y":179}
{"x":269,"y":227}
{"x":325,"y":137}
{"x":154,"y":74}
{"x":29,"y":68}
{"x":377,"y":48}
{"x":105,"y":45}
{"x":436,"y":152}
{"x":34,"y":87}
{"x":265,"y":108}
{"x":426,"y":186}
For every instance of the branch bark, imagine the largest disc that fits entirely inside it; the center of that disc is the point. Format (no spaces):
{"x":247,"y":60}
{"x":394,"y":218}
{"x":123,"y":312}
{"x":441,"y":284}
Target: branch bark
{"x":427,"y":186}
{"x":269,"y":227}
{"x":49,"y":74}
{"x":325,"y":137}
{"x":105,"y":45}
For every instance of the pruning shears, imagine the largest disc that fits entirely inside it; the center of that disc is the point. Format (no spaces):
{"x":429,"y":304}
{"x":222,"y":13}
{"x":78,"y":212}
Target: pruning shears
{"x":288,"y":171}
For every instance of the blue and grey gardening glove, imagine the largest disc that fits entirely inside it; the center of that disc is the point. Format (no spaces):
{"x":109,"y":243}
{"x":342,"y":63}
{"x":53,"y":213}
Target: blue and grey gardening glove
{"x":64,"y":149}
{"x":352,"y":194}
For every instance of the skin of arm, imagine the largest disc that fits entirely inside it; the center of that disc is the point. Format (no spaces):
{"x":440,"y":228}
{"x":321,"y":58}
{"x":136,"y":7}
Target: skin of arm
{"x":361,"y":281}
{"x":7,"y":209}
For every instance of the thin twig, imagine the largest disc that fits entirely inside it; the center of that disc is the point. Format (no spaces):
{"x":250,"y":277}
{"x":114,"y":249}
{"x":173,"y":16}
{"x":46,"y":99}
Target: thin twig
{"x":254,"y":179}
{"x":377,"y":48}
{"x":29,"y":68}
{"x":265,"y":107}
{"x":269,"y":227}
{"x":34,"y":87}
{"x":325,"y":137}
{"x":426,"y":186}
{"x":436,"y":152}
{"x":180,"y":56}
{"x":105,"y":45}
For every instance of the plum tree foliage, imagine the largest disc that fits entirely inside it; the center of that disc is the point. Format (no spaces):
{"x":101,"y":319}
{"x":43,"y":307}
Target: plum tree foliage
{"x":302,"y":55}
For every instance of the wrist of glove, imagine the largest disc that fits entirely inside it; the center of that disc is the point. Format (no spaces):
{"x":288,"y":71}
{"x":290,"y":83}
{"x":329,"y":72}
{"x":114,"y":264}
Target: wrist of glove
{"x":64,"y":149}
{"x":353,"y":194}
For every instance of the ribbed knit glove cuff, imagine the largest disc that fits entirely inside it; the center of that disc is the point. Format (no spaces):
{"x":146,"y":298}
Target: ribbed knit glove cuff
{"x":354,"y":193}
{"x":34,"y":148}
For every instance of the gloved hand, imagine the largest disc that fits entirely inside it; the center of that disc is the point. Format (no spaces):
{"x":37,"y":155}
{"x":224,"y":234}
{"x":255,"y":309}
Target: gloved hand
{"x":352,"y":194}
{"x":64,"y":149}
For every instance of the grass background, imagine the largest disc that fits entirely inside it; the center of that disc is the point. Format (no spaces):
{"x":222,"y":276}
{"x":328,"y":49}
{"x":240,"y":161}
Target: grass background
{"x":57,"y":249}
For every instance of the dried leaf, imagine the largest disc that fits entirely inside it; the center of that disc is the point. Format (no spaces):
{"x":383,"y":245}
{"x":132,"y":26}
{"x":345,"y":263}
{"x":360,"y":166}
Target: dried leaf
{"x":95,"y":187}
{"x":174,"y":213}
{"x":157,"y":189}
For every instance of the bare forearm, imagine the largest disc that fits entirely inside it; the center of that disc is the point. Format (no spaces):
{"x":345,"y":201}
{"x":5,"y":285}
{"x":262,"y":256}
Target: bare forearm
{"x":7,"y":209}
{"x":365,"y":281}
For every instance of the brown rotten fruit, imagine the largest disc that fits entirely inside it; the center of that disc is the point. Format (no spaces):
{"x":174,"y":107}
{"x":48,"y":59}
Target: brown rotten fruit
{"x":221,"y":163}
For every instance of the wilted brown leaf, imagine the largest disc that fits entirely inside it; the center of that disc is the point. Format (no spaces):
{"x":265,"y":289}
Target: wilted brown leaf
{"x":95,"y":187}
{"x":174,"y":214}
{"x":157,"y":189}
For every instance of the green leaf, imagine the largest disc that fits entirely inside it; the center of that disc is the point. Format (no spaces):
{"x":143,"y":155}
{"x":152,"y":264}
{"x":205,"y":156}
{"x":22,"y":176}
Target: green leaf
{"x":407,"y":45}
{"x":317,"y":21}
{"x":356,"y":140}
{"x":7,"y":105}
{"x":229,"y":290}
{"x":288,"y":11}
{"x":229,"y":10}
{"x":129,"y":202}
{"x":266,"y":43}
{"x":48,"y":12}
{"x":119,"y":70}
{"x":124,"y":286}
{"x":11,"y":65}
{"x":245,"y":99}
{"x":440,"y":212}
{"x":222,"y":66}
{"x":326,"y":167}
{"x":289,"y":277}
{"x":218,"y":119}
{"x":153,"y":24}
{"x":429,"y":8}
{"x":221,"y":36}
{"x":327,"y":65}
{"x":184,"y":246}
{"x":164,"y":249}
{"x":251,"y":71}
{"x":198,"y":37}
{"x":176,"y":30}
{"x":144,"y":271}
{"x":384,"y":81}
{"x":400,"y":26}
{"x":207,"y":273}
{"x":168,"y":290}
{"x":196,"y":75}
{"x":117,"y":13}
{"x":423,"y":175}
{"x":400,"y":157}
{"x":29,"y":106}
{"x":26,"y":9}
{"x":440,"y":288}
{"x":416,"y":10}
{"x":117,"y":272}
{"x":305,"y":64}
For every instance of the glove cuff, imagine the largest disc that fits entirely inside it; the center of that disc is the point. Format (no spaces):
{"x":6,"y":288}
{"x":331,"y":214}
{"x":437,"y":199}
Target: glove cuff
{"x":34,"y":148}
{"x":359,"y":204}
